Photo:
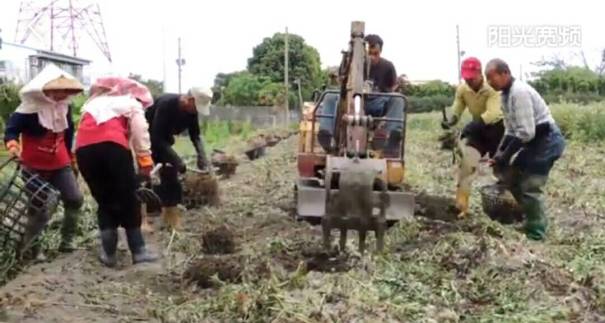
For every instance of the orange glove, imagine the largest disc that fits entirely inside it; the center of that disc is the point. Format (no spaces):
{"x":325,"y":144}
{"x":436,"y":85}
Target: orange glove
{"x":145,"y":166}
{"x":13,"y":148}
{"x":74,"y":165}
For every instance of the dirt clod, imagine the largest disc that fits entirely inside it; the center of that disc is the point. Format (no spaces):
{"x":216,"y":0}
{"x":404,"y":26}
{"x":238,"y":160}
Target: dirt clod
{"x":324,"y":262}
{"x":218,"y":241}
{"x":436,"y":207}
{"x":313,"y":258}
{"x":227,"y":269}
{"x":200,"y":189}
{"x":227,"y":164}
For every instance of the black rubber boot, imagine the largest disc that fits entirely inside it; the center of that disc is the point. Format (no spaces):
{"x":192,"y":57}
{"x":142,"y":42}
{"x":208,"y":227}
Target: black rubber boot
{"x":30,"y":248}
{"x":36,"y":254}
{"x":69,"y":230}
{"x":393,"y":145}
{"x":136,"y":244}
{"x":109,"y":245}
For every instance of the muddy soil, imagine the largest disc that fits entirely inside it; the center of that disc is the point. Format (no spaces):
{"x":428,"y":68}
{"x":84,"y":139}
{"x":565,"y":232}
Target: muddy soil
{"x":218,"y":241}
{"x":250,"y":237}
{"x":436,"y":207}
{"x":76,"y":288}
{"x":200,"y":190}
{"x":310,"y":256}
{"x":227,"y":269}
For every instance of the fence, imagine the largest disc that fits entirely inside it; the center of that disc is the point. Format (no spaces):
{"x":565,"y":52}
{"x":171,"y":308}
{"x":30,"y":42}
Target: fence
{"x":255,"y":115}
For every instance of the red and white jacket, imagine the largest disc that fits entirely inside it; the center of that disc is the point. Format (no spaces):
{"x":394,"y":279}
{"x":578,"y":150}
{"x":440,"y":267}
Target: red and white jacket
{"x":115,"y":113}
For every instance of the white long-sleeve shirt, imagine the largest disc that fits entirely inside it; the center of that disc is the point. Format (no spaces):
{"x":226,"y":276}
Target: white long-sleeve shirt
{"x":524,"y":109}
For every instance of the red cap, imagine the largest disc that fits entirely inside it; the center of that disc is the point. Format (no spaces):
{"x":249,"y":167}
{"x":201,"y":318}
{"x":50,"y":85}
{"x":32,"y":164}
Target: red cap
{"x":471,"y":67}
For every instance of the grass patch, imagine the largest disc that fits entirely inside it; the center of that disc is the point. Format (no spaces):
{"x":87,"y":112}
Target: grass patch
{"x":584,"y":123}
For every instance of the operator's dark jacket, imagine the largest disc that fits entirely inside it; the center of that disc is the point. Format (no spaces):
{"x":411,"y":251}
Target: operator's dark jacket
{"x":165,"y":121}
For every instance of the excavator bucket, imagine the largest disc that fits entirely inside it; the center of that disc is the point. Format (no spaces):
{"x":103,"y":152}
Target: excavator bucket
{"x":311,"y":202}
{"x":311,"y":193}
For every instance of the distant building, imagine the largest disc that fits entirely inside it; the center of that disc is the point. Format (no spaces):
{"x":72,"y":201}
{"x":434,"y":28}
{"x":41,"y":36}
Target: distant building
{"x":20,"y":64}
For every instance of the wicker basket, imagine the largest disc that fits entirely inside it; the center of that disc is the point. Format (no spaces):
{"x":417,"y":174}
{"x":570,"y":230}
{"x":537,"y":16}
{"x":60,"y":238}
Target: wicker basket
{"x":499,"y":204}
{"x":22,"y":195}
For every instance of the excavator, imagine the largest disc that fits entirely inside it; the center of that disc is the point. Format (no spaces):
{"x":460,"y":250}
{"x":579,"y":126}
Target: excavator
{"x":358,"y":148}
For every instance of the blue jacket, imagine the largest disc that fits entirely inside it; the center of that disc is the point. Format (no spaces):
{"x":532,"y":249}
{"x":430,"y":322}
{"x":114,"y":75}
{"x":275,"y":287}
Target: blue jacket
{"x":27,"y":123}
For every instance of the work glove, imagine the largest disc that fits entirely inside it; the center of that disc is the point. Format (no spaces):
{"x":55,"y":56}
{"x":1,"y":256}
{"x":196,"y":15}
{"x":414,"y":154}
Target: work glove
{"x":447,"y":124}
{"x":13,"y":149}
{"x":202,"y":163}
{"x":145,"y":173}
{"x":503,"y":156}
{"x":145,"y":167}
{"x":74,"y":166}
{"x":504,"y":143}
{"x":181,"y":167}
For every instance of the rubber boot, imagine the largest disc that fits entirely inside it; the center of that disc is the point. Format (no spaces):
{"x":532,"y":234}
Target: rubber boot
{"x":109,"y":246}
{"x":468,"y":164}
{"x":462,"y":197}
{"x":529,"y":195}
{"x":392,"y":149}
{"x":172,"y":217}
{"x":69,"y":230}
{"x":145,"y":226}
{"x":30,"y":244}
{"x":35,"y":252}
{"x":536,"y":223}
{"x":136,"y":244}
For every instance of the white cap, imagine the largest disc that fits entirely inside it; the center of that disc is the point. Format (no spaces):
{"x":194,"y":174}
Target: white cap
{"x":203,"y":98}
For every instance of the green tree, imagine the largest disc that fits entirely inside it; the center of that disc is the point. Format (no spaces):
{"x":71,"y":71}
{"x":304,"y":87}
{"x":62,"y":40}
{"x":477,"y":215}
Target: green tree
{"x":155,"y":87}
{"x":272,"y":94}
{"x":572,"y":79}
{"x":221,"y":82}
{"x":431,"y":88}
{"x":244,"y":89}
{"x":304,"y":62}
{"x":9,"y":100}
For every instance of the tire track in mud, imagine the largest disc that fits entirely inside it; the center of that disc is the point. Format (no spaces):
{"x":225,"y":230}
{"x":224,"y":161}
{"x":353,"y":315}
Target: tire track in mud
{"x":255,"y":216}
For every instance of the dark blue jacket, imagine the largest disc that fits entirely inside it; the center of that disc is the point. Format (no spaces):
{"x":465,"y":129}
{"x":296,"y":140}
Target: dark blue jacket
{"x":27,"y":123}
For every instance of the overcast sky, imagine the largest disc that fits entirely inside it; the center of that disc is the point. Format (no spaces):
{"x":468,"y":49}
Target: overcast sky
{"x":420,"y":36}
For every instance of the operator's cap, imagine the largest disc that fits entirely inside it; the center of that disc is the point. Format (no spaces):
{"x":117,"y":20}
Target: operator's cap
{"x":471,"y":67}
{"x":202,"y":97}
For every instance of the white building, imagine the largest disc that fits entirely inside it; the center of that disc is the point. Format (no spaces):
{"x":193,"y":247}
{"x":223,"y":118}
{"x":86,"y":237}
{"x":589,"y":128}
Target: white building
{"x":19,"y":64}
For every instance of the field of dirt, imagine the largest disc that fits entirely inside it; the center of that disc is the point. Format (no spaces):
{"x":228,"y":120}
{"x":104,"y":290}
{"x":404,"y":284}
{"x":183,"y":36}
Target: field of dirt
{"x":247,"y":259}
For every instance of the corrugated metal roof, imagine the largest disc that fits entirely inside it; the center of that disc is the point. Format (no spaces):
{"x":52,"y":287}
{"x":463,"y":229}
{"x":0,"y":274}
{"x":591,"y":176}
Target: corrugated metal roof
{"x":61,"y":57}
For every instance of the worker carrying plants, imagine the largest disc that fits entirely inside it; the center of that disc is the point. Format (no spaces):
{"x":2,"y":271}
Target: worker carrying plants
{"x":532,"y":143}
{"x":113,"y":120}
{"x":40,"y":132}
{"x":170,"y":115}
{"x":482,"y":134}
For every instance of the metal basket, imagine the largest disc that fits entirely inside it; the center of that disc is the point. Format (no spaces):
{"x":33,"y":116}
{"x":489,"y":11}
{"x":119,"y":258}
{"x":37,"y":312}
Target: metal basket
{"x":23,"y":195}
{"x":499,"y":204}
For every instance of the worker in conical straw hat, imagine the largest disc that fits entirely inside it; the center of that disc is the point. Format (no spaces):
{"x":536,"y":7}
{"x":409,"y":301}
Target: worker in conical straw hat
{"x":171,"y":114}
{"x":113,"y":125}
{"x":40,"y":133}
